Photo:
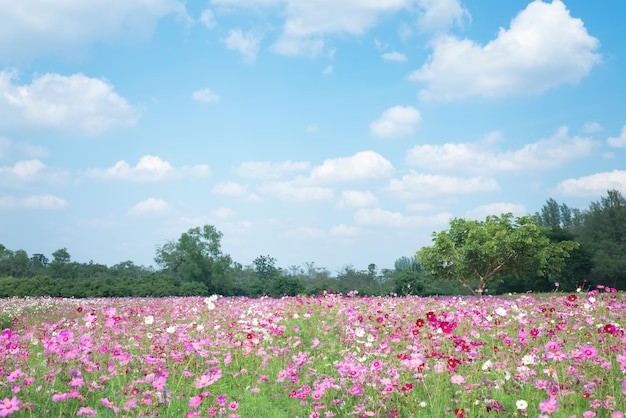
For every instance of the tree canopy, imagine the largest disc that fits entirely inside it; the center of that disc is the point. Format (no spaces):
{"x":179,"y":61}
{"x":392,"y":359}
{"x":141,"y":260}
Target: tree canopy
{"x":475,"y":253}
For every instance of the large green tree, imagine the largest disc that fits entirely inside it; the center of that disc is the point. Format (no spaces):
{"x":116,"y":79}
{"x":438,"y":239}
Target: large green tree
{"x":604,"y":231}
{"x":475,"y":253}
{"x":197,"y":257}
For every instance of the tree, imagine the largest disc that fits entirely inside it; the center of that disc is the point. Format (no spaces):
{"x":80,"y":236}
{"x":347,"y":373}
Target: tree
{"x":604,"y":231}
{"x":475,"y":253}
{"x":197,"y":256}
{"x":61,"y":265}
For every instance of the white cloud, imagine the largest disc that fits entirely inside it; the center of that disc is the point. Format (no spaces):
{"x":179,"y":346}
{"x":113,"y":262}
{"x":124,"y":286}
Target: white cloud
{"x":246,"y":43}
{"x":149,"y":168}
{"x":307,"y":23}
{"x":149,"y":206}
{"x":207,"y":18}
{"x":364,"y":165}
{"x":33,"y":202}
{"x":481,"y":157}
{"x":441,"y":15}
{"x":343,"y":230}
{"x":291,"y":191}
{"x":481,"y":212}
{"x":305,"y":232}
{"x":270,"y":171}
{"x":618,"y":142}
{"x":235,"y":190}
{"x":61,"y":27}
{"x":224,"y":213}
{"x":327,"y":70}
{"x":544,"y":47}
{"x":205,"y":96}
{"x":24,"y":169}
{"x":394,"y":56}
{"x":396,"y":121}
{"x":381,"y":217}
{"x":356,"y":199}
{"x":591,"y":127}
{"x":594,"y":185}
{"x":417,"y":185}
{"x":77,"y":103}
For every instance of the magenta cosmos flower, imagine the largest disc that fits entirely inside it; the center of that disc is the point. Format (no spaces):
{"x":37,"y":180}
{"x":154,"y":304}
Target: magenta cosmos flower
{"x":8,"y":406}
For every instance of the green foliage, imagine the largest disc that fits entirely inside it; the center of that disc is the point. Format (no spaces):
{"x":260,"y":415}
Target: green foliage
{"x":476,"y":253}
{"x":604,"y":232}
{"x":197,"y":256}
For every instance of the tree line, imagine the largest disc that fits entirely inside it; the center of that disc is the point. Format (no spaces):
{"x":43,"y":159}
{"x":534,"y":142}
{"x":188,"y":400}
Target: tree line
{"x":557,"y":246}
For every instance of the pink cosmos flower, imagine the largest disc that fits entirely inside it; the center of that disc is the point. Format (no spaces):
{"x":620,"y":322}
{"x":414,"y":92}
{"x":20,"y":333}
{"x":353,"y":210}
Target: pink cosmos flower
{"x":16,"y":374}
{"x":549,"y":405}
{"x":233,"y":406}
{"x":195,"y":401}
{"x":85,"y":411}
{"x":8,"y":406}
{"x":457,"y":379}
{"x":221,"y":399}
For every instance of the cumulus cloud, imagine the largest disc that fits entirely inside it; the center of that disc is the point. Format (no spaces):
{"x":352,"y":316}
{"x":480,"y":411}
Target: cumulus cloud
{"x":365,"y":165}
{"x":148,"y":168}
{"x":593,"y":185}
{"x":46,"y":201}
{"x":482,"y":157}
{"x":381,"y":217}
{"x":207,"y":19}
{"x":61,"y":27}
{"x":544,"y":47}
{"x":343,"y":230}
{"x":441,"y":15}
{"x":416,"y":185}
{"x":619,"y":141}
{"x":76,"y":103}
{"x":308,"y":23}
{"x":356,"y":199}
{"x":270,"y":171}
{"x":205,"y":96}
{"x":236,"y":190}
{"x":396,"y":121}
{"x":591,"y":127}
{"x":394,"y":56}
{"x":292,"y":191}
{"x":481,"y":212}
{"x":246,"y":43}
{"x":149,"y":206}
{"x":24,"y":169}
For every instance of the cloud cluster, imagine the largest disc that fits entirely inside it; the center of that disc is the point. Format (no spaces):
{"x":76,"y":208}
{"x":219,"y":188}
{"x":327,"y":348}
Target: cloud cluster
{"x":484,"y":157}
{"x":44,"y":201}
{"x":148,"y":168}
{"x":396,"y":121}
{"x":77,"y":103}
{"x":594,"y":184}
{"x":544,"y":47}
{"x":70,"y":26}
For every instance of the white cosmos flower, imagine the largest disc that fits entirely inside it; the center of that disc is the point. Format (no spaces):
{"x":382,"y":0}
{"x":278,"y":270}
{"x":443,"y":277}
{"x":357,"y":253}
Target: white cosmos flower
{"x":521,"y":404}
{"x":148,"y":320}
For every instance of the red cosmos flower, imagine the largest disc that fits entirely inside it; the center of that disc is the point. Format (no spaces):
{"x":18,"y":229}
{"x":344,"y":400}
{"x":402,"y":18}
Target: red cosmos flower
{"x":80,"y":309}
{"x":447,"y":327}
{"x":572,"y":298}
{"x":610,"y":328}
{"x":416,"y":332}
{"x":249,"y":336}
{"x":407,"y":387}
{"x":452,"y":363}
{"x":431,"y":316}
{"x":420,"y":322}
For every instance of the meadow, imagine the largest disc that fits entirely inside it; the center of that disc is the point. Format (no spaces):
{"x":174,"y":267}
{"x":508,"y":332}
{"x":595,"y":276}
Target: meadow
{"x":330,"y":355}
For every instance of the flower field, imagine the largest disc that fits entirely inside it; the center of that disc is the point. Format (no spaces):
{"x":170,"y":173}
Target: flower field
{"x":557,"y":355}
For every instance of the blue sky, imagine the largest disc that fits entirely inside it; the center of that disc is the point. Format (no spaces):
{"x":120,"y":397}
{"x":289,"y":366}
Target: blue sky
{"x":334,"y":132}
